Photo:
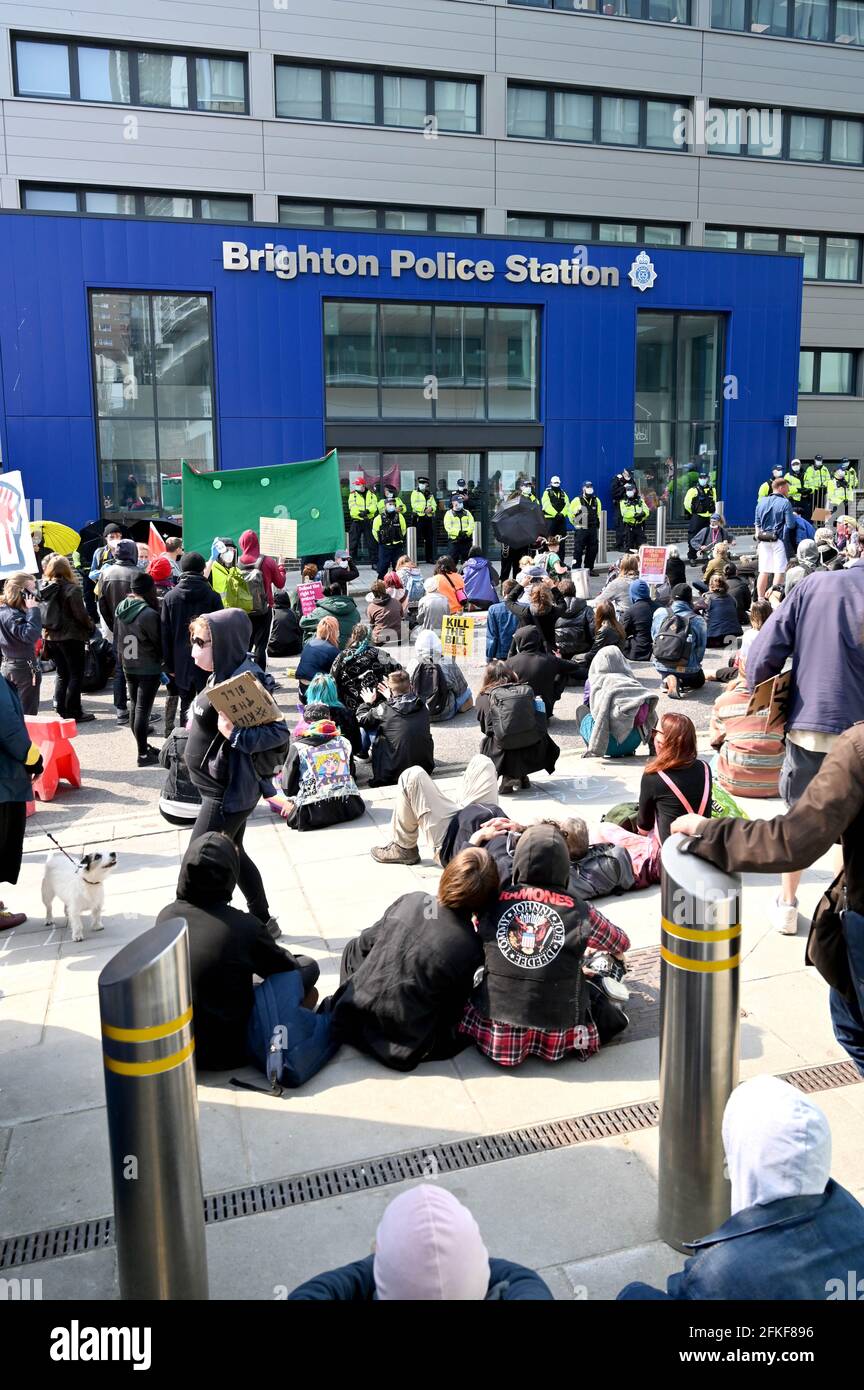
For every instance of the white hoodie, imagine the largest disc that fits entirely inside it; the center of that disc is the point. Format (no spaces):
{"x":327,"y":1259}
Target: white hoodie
{"x":777,"y":1143}
{"x":429,"y":1247}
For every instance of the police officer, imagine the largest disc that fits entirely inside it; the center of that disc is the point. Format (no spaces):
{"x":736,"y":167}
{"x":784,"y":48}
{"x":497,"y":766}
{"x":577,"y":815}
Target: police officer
{"x":526,"y":490}
{"x":816,"y":481}
{"x":388,"y":532}
{"x":794,"y":476}
{"x":765,"y":489}
{"x":373,"y":503}
{"x":585,"y":518}
{"x":700,"y":504}
{"x":634,"y":514}
{"x":620,"y":484}
{"x":851,"y":474}
{"x":391,"y":495}
{"x":459,"y":526}
{"x":359,"y":535}
{"x":840,"y":492}
{"x":556,"y":506}
{"x":424,"y":509}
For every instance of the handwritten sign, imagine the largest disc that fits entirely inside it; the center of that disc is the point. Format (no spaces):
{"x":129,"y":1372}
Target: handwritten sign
{"x":457,"y":635}
{"x":16,"y":542}
{"x":309,"y":595}
{"x":652,"y":563}
{"x":245,"y":701}
{"x":772,"y":694}
{"x":278,"y":536}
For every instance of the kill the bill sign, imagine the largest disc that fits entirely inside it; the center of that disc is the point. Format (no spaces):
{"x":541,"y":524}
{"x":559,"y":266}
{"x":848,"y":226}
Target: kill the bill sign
{"x":457,"y":635}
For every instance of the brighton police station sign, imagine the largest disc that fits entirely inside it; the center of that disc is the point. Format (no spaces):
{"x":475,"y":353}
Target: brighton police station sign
{"x":443,"y":265}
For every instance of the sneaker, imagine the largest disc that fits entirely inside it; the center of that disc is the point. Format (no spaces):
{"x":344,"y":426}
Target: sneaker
{"x":149,"y":758}
{"x":122,"y":716}
{"x":84,"y":718}
{"x":8,"y":920}
{"x":395,"y":854}
{"x":509,"y":785}
{"x":274,"y":928}
{"x":784,"y":917}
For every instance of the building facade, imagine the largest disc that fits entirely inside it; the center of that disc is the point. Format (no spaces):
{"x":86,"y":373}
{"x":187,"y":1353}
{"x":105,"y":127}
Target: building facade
{"x":598,"y":127}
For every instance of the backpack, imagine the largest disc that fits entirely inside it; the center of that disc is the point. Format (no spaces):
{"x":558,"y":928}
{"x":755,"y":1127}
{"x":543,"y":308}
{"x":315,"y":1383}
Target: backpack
{"x":430,"y":684}
{"x":672,"y":643}
{"x":513,"y":716}
{"x":269,"y":761}
{"x":236,"y":593}
{"x":416,"y":589}
{"x":255,"y":584}
{"x":325,"y":771}
{"x":285,"y":1041}
{"x":603,"y":870}
{"x":99,"y":664}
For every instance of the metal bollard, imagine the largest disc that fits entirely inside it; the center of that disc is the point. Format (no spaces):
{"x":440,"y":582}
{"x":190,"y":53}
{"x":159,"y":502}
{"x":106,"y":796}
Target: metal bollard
{"x":477,"y":538}
{"x":145,"y":1002}
{"x":601,"y":541}
{"x":699,"y":1040}
{"x":411,"y":538}
{"x":661,"y":523}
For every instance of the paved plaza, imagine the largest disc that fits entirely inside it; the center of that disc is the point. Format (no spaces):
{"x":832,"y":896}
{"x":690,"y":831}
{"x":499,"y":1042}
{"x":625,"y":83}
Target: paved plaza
{"x":583,"y":1214}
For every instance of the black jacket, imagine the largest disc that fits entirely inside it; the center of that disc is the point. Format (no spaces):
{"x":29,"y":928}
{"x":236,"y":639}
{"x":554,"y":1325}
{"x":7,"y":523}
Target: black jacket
{"x":191,"y":597}
{"x":353,"y":670}
{"x":676,"y":571}
{"x":742,"y":594}
{"x":637,"y":625}
{"x":544,"y":622}
{"x":405,"y":982}
{"x":338,"y":576}
{"x":574,"y":630}
{"x":286,"y":636}
{"x":115,"y":582}
{"x":316,"y":814}
{"x":138,"y":635}
{"x":64,"y":616}
{"x":546,"y":674}
{"x":516,"y":762}
{"x":534,"y":938}
{"x":20,"y":630}
{"x":404,"y":737}
{"x":226,"y":948}
{"x":608,"y":636}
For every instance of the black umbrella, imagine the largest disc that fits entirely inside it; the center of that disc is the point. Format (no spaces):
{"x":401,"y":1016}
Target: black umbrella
{"x":518,"y":522}
{"x":140,"y":530}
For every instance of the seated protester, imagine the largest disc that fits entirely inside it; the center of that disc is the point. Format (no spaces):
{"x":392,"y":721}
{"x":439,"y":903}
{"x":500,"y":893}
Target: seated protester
{"x":608,"y":632}
{"x":384,"y":615}
{"x":432,"y":609}
{"x":750,"y":747}
{"x":501,"y":623}
{"x":322,"y":691}
{"x":411,"y":580}
{"x":339,"y":572}
{"x":574,"y":630}
{"x":420,"y":805}
{"x":448,"y":582}
{"x":546,"y":674}
{"x":679,"y":636}
{"x":721,"y":613}
{"x":399,"y":720}
{"x":595,"y":870}
{"x":676,"y":570}
{"x":760,"y":612}
{"x":539,"y":605}
{"x":317,"y":786}
{"x":807,"y":561}
{"x":405,"y":981}
{"x":674,"y":779}
{"x":794,"y":1232}
{"x":308,"y":575}
{"x":620,"y":713}
{"x":617,"y":590}
{"x":427,"y":1249}
{"x":638,"y":620}
{"x":332,"y":605}
{"x":825,"y":544}
{"x":227,"y":948}
{"x":705,"y":543}
{"x":534,"y":997}
{"x":286,"y":637}
{"x":479,"y":579}
{"x":740,"y":590}
{"x":439,"y":681}
{"x":513,"y":721}
{"x":360,"y":663}
{"x":318,"y":654}
{"x":549,"y":557}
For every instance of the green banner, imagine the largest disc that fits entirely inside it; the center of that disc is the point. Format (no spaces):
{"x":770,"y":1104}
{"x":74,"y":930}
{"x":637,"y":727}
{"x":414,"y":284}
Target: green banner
{"x":228,"y":503}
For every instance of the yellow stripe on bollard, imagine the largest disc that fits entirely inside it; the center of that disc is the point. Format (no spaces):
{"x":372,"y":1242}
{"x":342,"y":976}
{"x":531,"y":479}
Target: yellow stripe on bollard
{"x":700,"y":933}
{"x":701,"y":966}
{"x":141,"y":1035}
{"x":153,"y":1068}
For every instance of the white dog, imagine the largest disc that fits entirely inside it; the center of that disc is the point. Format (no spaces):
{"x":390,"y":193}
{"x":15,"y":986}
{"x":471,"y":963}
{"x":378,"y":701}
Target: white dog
{"x":80,"y":887}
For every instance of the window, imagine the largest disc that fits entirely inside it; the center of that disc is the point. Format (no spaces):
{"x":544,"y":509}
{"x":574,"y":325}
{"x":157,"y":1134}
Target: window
{"x":798,"y":135}
{"x":129,"y":75}
{"x":828,"y":372}
{"x":847,"y":142}
{"x":826,"y":257}
{"x":381,"y":358}
{"x":598,"y":118}
{"x":819,"y":21}
{"x":153,"y":380}
{"x":806,"y":137}
{"x":583,"y":229}
{"x":660,"y":11}
{"x":128,"y":202}
{"x":372,"y":96}
{"x":369,"y":218}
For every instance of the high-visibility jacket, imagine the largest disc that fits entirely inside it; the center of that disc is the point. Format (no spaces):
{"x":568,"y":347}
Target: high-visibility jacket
{"x":423,"y":503}
{"x":555,"y":502}
{"x":384,"y":528}
{"x":852,"y":477}
{"x":840,"y":494}
{"x":530,"y":497}
{"x":576,"y":508}
{"x":700,"y":501}
{"x":796,"y":484}
{"x":765,"y":489}
{"x":458,"y":524}
{"x":357,"y":505}
{"x":634,"y":512}
{"x":400,"y":505}
{"x":816,"y":479}
{"x":371,"y":503}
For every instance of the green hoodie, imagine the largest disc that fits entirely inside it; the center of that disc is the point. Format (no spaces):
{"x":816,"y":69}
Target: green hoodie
{"x":339,"y":606}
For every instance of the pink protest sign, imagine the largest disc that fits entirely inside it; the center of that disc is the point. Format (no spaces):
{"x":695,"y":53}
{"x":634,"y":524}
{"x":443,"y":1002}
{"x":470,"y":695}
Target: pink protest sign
{"x":309,"y":595}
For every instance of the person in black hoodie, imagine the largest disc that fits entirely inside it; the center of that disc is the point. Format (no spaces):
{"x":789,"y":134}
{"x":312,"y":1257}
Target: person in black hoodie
{"x":115,"y":582}
{"x":676,"y":570}
{"x":191,"y":597}
{"x":138,"y":638}
{"x":226,"y":948}
{"x":404,"y":981}
{"x":286,"y":636}
{"x":574,"y":630}
{"x":547,"y":675}
{"x":740,"y":591}
{"x":219,"y":755}
{"x":400,"y":721}
{"x":638,"y":620}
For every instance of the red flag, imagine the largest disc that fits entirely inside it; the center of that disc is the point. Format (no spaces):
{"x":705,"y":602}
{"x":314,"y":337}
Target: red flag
{"x":155,"y":543}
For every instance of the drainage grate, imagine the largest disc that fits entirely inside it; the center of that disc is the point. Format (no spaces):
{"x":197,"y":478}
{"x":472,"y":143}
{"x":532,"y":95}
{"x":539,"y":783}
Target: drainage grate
{"x":389,"y":1169}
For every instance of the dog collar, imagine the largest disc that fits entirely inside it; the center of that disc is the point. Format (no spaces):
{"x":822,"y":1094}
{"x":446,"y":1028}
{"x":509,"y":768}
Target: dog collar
{"x":91,"y":881}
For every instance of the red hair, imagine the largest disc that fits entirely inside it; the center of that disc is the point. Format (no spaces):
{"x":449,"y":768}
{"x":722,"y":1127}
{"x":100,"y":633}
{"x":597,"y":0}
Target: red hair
{"x":679,"y":744}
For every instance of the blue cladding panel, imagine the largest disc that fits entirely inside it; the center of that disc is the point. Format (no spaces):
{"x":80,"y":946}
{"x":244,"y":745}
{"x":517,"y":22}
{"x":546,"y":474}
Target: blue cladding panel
{"x":268,"y":344}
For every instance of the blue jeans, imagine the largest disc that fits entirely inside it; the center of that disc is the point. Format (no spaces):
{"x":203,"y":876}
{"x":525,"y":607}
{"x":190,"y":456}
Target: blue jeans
{"x":848,"y":1019}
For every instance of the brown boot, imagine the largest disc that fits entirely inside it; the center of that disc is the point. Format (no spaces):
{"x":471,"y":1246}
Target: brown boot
{"x":395,"y":854}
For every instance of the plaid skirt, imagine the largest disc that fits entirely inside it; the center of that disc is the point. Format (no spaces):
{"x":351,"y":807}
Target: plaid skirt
{"x":508,"y":1045}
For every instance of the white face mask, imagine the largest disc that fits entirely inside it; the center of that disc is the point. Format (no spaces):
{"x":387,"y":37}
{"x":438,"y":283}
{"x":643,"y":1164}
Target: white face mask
{"x":526,"y":491}
{"x":227,"y":558}
{"x":589,"y":491}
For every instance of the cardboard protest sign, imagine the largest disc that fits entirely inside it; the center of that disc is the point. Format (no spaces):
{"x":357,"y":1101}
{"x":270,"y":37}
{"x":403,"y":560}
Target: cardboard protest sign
{"x":245,"y":701}
{"x":773,"y":695}
{"x":278,"y":537}
{"x":16,"y":542}
{"x":457,"y":635}
{"x":652,"y":563}
{"x":309,"y":595}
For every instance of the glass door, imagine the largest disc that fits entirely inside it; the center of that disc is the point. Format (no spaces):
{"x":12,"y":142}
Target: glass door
{"x":450,"y":471}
